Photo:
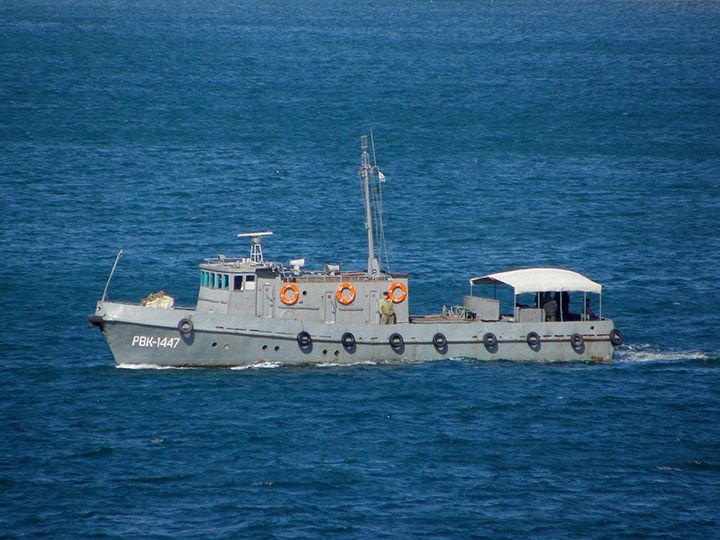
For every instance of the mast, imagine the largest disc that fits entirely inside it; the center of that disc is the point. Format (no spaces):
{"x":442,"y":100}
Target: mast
{"x":373,"y":267}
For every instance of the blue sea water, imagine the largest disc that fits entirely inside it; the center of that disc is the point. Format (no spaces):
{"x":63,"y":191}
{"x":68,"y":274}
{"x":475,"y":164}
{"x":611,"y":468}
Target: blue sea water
{"x":512,"y":133}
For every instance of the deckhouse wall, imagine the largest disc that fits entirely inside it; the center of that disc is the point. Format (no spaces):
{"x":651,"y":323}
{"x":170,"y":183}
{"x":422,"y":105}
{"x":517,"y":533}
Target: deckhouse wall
{"x":312,"y":298}
{"x":319,"y":301}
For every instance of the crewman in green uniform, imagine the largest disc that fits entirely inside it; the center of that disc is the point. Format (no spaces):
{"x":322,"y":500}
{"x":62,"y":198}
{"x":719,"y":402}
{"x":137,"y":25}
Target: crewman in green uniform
{"x":386,"y":310}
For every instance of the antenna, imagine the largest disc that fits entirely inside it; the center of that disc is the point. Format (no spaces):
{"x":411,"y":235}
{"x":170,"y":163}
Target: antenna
{"x":111,"y":274}
{"x":365,"y":172}
{"x":256,"y":254}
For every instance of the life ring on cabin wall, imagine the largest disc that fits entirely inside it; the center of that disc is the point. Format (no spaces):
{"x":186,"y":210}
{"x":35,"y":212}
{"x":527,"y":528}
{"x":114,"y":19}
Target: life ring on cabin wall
{"x":294,"y":298}
{"x":341,"y":289}
{"x":393,"y":288}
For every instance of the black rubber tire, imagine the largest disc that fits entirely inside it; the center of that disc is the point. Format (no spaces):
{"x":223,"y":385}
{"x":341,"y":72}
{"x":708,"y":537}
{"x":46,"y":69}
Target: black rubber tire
{"x":533,"y":339}
{"x":185,"y":326}
{"x":440,"y":341}
{"x":396,"y":341}
{"x":489,"y":340}
{"x":348,"y":340}
{"x":304,"y":339}
{"x":576,"y":340}
{"x":616,"y":337}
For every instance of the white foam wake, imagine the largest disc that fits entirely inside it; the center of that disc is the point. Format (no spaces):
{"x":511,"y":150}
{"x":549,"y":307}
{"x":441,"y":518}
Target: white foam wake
{"x":263,"y":365}
{"x":645,"y":352}
{"x":148,"y":366}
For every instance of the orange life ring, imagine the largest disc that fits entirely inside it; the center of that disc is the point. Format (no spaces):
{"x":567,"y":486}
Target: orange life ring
{"x":339,"y":294}
{"x":294,"y":298}
{"x":403,"y":292}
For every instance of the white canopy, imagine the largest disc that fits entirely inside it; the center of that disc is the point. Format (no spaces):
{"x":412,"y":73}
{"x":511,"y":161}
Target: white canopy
{"x":541,"y":280}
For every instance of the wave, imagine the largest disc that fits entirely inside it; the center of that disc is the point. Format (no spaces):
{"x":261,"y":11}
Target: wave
{"x":640,"y":353}
{"x":645,"y":352}
{"x":149,"y":366}
{"x":275,"y":365}
{"x":330,"y":364}
{"x":97,"y":452}
{"x":263,"y":365}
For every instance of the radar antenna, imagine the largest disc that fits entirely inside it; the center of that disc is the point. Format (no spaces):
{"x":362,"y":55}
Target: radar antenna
{"x":256,"y":254}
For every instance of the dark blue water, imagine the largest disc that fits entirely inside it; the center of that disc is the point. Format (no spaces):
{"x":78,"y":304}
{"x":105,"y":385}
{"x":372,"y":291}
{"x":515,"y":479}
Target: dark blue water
{"x":574,"y":134}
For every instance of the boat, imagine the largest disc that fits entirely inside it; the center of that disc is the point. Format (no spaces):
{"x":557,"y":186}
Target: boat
{"x":251,"y":312}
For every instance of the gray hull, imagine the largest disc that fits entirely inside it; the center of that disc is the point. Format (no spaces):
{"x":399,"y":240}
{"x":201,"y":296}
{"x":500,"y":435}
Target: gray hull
{"x":140,"y":336}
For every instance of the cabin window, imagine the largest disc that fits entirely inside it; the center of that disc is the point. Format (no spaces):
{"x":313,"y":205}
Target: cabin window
{"x":250,"y":282}
{"x":216,"y":281}
{"x":238,"y":283}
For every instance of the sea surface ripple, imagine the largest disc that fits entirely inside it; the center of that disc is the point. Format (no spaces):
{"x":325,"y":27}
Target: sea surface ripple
{"x":581,"y":135}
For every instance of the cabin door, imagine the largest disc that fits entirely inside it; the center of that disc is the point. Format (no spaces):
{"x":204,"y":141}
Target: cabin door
{"x":266,"y":301}
{"x":373,"y":315}
{"x":330,"y":307}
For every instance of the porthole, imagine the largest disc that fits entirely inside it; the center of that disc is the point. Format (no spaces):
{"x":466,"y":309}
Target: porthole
{"x":264,"y":347}
{"x":214,"y":344}
{"x":277,"y":348}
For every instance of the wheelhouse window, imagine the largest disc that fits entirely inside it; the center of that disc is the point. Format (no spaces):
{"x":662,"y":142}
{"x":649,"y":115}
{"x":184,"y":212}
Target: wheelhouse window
{"x":250,"y":282}
{"x":238,"y":283}
{"x":214,"y":280}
